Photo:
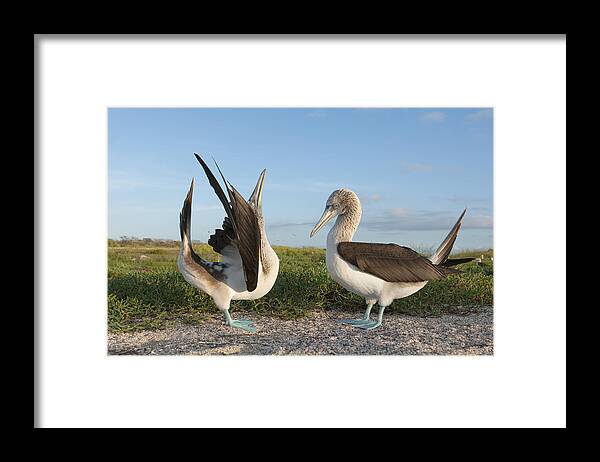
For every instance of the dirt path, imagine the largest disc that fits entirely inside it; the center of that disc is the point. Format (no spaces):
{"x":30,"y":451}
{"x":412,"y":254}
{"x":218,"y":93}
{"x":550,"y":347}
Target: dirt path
{"x":321,"y":334}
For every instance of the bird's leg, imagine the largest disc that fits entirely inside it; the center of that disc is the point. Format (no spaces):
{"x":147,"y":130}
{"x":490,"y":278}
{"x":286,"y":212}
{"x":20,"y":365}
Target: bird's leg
{"x":365,"y":318}
{"x":243,"y":324}
{"x":373,"y":324}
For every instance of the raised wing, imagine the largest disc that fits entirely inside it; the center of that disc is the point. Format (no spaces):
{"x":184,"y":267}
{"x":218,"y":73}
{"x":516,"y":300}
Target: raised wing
{"x":240,"y":228}
{"x":391,"y":262}
{"x":190,"y":258}
{"x":248,"y":237}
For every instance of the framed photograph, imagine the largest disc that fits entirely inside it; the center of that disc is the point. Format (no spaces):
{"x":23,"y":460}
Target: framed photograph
{"x":286,"y":232}
{"x":397,"y":183}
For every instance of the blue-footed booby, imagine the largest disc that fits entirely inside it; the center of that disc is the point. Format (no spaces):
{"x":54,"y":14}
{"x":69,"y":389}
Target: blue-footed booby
{"x":248,"y":267}
{"x":380,"y":273}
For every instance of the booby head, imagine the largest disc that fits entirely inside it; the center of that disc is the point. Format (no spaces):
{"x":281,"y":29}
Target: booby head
{"x":339,"y":202}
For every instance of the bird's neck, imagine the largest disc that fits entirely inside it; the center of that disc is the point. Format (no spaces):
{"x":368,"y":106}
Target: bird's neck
{"x":346,"y":224}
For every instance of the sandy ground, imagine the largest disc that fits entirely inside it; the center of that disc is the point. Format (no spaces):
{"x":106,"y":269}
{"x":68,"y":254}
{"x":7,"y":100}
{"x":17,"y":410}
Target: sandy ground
{"x":321,"y":334}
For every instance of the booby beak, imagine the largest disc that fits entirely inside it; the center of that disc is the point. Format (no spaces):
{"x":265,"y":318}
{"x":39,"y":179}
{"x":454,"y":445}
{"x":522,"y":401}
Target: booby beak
{"x":328,"y":214}
{"x":256,"y":197}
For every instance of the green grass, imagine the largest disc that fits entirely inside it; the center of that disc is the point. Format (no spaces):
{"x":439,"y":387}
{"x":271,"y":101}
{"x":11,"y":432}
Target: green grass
{"x":146,"y":291}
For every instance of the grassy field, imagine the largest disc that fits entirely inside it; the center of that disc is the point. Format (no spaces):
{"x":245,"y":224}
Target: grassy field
{"x":146,"y":291}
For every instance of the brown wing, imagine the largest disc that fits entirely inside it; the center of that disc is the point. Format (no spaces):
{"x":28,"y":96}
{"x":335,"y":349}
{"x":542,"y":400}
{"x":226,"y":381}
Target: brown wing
{"x":390,"y":262}
{"x":240,"y":227}
{"x":248,"y":236}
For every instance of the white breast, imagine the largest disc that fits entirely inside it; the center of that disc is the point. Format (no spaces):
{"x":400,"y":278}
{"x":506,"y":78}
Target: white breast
{"x":265,"y":280}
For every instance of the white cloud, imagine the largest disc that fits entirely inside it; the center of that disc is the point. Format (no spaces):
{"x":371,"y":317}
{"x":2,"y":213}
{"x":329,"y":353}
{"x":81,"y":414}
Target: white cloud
{"x":419,"y":167}
{"x":484,"y":114}
{"x":317,"y":114}
{"x":435,"y":116}
{"x":467,"y":198}
{"x":365,"y":199}
{"x":399,"y":212}
{"x":400,"y":218}
{"x":478,"y":221}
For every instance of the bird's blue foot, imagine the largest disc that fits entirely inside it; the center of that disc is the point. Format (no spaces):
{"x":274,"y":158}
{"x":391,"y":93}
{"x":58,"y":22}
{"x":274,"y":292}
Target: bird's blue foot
{"x":365,"y":323}
{"x":243,"y":324}
{"x":358,"y":322}
{"x":355,"y":322}
{"x":368,"y":325}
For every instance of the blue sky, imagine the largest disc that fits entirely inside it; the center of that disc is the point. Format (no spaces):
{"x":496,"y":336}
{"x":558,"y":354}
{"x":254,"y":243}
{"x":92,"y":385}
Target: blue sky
{"x":413,"y":169}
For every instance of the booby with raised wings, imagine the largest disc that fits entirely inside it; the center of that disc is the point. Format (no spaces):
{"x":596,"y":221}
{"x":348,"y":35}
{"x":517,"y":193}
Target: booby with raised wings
{"x":248,"y":267}
{"x":380,"y":273}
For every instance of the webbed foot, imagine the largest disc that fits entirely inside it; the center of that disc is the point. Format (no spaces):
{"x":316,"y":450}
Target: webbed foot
{"x":243,"y":324}
{"x":355,"y":322}
{"x":368,"y":325}
{"x":365,"y":323}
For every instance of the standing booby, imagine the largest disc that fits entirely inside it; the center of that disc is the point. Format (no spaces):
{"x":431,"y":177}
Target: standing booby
{"x":249,"y":265}
{"x":380,"y":273}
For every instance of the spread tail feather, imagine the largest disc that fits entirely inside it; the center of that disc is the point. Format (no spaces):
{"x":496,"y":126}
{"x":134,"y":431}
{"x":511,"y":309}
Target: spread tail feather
{"x":457,"y":261}
{"x":443,"y":251}
{"x":447,"y":271}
